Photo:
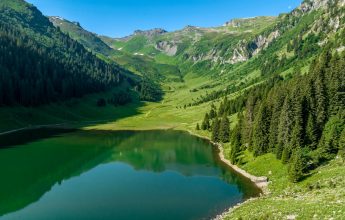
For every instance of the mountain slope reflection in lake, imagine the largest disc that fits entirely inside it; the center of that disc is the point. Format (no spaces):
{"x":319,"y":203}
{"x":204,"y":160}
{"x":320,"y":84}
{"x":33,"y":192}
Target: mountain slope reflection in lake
{"x":117,"y":175}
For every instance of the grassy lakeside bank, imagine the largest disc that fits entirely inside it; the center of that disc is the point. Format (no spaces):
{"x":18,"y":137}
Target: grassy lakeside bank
{"x":319,"y":196}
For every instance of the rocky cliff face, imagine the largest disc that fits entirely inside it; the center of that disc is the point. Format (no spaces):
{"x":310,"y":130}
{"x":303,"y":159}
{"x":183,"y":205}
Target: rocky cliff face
{"x":169,"y":48}
{"x":311,"y":5}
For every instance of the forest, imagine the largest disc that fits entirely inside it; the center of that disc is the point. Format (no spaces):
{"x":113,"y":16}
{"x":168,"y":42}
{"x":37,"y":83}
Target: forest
{"x":47,"y":66}
{"x":300,"y":120}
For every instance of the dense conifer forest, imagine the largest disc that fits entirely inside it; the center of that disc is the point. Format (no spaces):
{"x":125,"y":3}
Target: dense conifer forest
{"x":301,"y":120}
{"x":39,"y":64}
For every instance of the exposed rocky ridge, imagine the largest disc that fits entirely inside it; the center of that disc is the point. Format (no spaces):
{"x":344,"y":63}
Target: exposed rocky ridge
{"x":311,"y":5}
{"x":150,"y":33}
{"x":147,"y":33}
{"x":239,"y":22}
{"x":246,"y":49}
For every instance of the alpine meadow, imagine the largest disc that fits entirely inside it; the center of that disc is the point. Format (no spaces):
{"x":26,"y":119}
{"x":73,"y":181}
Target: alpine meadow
{"x":244,"y":120}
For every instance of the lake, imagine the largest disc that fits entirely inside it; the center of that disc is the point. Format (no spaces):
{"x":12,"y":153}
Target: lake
{"x":72,"y":174}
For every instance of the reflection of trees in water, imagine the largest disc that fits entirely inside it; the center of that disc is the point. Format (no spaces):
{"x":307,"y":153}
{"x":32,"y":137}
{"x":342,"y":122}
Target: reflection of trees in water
{"x":37,"y":169}
{"x":40,"y":164}
{"x":158,"y":150}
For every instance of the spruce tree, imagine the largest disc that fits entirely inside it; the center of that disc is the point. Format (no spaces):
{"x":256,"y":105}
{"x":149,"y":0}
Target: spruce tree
{"x":311,"y":133}
{"x":285,"y":127}
{"x":286,"y":154}
{"x":261,"y":130}
{"x":215,"y":130}
{"x":296,"y":166}
{"x":235,"y":144}
{"x":276,"y":111}
{"x":342,"y":144}
{"x":206,"y":123}
{"x":224,"y":130}
{"x":329,"y":143}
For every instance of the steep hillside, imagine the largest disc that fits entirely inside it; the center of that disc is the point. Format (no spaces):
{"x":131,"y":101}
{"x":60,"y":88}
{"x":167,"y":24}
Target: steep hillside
{"x":39,"y":64}
{"x":291,"y":126}
{"x":138,"y":63}
{"x":89,"y":40}
{"x":244,"y":51}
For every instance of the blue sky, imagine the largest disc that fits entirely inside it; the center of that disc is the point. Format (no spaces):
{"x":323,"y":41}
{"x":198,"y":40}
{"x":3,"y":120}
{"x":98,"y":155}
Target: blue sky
{"x":118,"y":18}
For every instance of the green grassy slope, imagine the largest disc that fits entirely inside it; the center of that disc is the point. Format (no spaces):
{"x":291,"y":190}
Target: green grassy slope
{"x":196,"y":72}
{"x":319,"y":196}
{"x":89,"y":40}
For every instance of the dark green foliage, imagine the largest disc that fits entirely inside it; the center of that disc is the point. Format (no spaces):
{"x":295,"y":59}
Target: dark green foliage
{"x":197,"y":127}
{"x":235,"y":145}
{"x":302,"y":117}
{"x":39,"y":64}
{"x":101,"y":102}
{"x":224,"y":130}
{"x":311,"y":132}
{"x":342,"y":144}
{"x":329,"y":144}
{"x":150,"y":91}
{"x":213,"y":113}
{"x":261,"y":130}
{"x":286,"y":154}
{"x":285,"y":129}
{"x":206,"y":122}
{"x":120,"y":98}
{"x":215,"y":130}
{"x":296,"y":166}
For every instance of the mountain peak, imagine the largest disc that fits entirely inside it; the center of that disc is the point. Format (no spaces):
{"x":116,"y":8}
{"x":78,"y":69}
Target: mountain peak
{"x":151,"y":32}
{"x":311,"y":5}
{"x":238,"y":22}
{"x":57,"y":20}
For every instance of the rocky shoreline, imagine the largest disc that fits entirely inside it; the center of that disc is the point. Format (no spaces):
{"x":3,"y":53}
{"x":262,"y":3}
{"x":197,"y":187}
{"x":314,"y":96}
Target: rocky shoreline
{"x":260,"y":182}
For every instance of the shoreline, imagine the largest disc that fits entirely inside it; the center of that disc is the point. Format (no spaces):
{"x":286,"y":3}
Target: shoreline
{"x":260,"y":182}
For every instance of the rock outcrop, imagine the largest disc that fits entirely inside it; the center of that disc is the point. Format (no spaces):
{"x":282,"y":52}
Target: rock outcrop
{"x":169,"y":48}
{"x":150,"y":33}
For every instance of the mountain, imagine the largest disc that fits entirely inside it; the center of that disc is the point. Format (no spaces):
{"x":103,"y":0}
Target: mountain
{"x":89,"y":40}
{"x":138,"y":63}
{"x":270,"y":89}
{"x":300,"y":118}
{"x":40,"y":64}
{"x":187,"y":43}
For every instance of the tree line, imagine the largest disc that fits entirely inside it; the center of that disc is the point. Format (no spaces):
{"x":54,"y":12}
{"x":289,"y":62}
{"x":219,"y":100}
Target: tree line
{"x":32,"y":73}
{"x":301,"y":120}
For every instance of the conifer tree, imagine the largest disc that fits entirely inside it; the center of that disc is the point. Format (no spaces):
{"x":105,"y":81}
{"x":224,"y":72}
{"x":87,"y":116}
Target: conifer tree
{"x":261,"y":130}
{"x":215,"y":130}
{"x":286,"y":154}
{"x":285,"y":127}
{"x":329,"y":143}
{"x":235,"y":144}
{"x":206,"y":123}
{"x":342,"y":144}
{"x":296,"y":166}
{"x":224,"y":130}
{"x":311,"y":133}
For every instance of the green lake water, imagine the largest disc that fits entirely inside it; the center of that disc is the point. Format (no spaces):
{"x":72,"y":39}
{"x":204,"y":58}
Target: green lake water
{"x":49,"y":174}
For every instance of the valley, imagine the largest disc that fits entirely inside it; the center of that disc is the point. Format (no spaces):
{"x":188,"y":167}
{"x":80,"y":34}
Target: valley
{"x":269,"y":90}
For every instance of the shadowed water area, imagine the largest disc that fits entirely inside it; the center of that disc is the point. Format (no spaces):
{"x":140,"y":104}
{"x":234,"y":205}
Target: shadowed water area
{"x":68,"y":174}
